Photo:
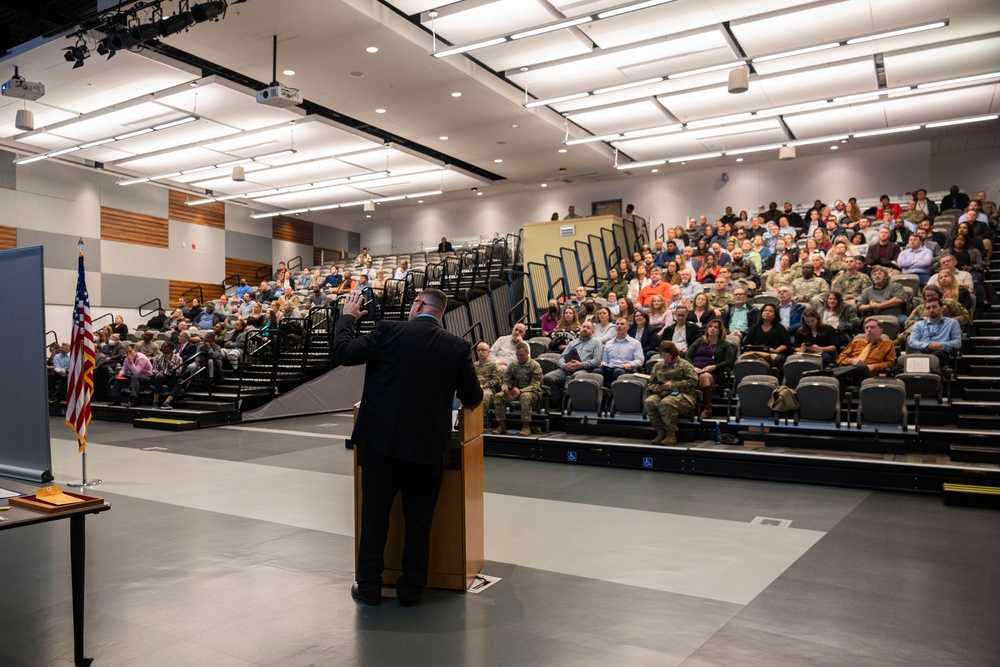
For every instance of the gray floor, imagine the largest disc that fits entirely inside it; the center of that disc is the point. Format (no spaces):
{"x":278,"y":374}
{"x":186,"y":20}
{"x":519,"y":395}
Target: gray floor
{"x":233,"y":547}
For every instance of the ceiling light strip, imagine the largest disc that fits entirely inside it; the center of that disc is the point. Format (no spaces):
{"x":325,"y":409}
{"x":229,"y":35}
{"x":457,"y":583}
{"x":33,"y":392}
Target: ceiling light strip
{"x":626,"y":9}
{"x":220,"y":165}
{"x":897,"y":33}
{"x":302,"y":187}
{"x":469,"y":47}
{"x":327,"y":207}
{"x":552,"y":27}
{"x":888,"y":130}
{"x":796,"y":52}
{"x":107,"y":140}
{"x":962,"y":121}
{"x":964,"y":79}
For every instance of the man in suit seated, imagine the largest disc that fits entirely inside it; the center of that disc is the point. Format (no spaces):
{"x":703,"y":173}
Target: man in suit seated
{"x":682,"y":333}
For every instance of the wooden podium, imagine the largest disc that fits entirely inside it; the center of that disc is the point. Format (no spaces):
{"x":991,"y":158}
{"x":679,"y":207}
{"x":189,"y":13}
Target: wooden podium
{"x":457,"y":549}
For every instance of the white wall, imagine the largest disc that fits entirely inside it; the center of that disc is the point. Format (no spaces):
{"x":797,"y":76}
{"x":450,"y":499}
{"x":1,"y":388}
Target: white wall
{"x":674,"y":196}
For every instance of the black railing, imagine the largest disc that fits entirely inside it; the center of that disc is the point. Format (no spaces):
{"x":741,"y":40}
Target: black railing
{"x":152,"y":309}
{"x":194,"y":293}
{"x":94,"y":321}
{"x":294,"y":263}
{"x":525,"y":305}
{"x":659,"y":232}
{"x":231,"y":283}
{"x":263,"y":272}
{"x":552,"y":289}
{"x":261,"y":352}
{"x":474,"y":340}
{"x":55,"y":338}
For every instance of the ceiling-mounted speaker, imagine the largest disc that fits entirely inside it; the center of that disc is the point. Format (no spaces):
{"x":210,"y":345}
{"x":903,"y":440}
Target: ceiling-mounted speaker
{"x":369,"y":206}
{"x":786,"y":153}
{"x":24,"y":120}
{"x":239,"y":173}
{"x":739,"y":79}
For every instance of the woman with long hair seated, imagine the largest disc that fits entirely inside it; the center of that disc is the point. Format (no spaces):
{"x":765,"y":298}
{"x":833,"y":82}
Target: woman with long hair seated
{"x":769,"y":334}
{"x":950,"y":289}
{"x":604,"y":325}
{"x":643,"y":332}
{"x":660,"y":316}
{"x":566,"y":331}
{"x":840,"y":316}
{"x":814,"y":337}
{"x":550,"y":318}
{"x":708,"y":271}
{"x":671,"y":274}
{"x":636,"y":284}
{"x":701,"y":312}
{"x":713,"y":357}
{"x":626,"y":309}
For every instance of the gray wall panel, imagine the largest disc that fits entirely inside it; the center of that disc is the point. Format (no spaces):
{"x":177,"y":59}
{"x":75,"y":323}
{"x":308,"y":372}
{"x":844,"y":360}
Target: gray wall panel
{"x":354,"y":243}
{"x":248,"y":246}
{"x":61,"y":250}
{"x":8,"y":171}
{"x":132,"y":291}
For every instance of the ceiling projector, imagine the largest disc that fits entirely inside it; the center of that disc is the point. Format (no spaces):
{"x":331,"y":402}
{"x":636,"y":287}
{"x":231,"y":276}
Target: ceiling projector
{"x":279,"y":96}
{"x":25,"y":90}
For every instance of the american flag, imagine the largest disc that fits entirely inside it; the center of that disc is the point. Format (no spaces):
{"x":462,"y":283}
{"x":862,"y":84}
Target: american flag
{"x":81,"y":363}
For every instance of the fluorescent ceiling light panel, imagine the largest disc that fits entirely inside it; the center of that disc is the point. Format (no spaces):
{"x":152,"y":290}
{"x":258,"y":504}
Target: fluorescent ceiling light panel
{"x":796,"y":52}
{"x":897,"y":33}
{"x":587,"y":140}
{"x":626,"y":86}
{"x":552,"y":27}
{"x":792,"y":108}
{"x":964,"y":79}
{"x":71,"y":149}
{"x":962,"y":121}
{"x":755,"y":149}
{"x":429,"y":193}
{"x":555,"y":100}
{"x":703,"y":156}
{"x":469,"y":47}
{"x":663,"y":129}
{"x":721,"y":120}
{"x":136,"y":133}
{"x":99,"y":142}
{"x":618,"y":11}
{"x":705,"y":70}
{"x":888,"y":130}
{"x":639,"y":165}
{"x":807,"y":142}
{"x":175,"y":123}
{"x":860,"y":97}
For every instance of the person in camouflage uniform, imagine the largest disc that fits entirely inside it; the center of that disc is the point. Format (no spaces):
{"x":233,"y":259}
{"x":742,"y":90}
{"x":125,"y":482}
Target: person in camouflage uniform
{"x":522,"y":383}
{"x":490,"y":378}
{"x":851,"y":282}
{"x":670,"y":393}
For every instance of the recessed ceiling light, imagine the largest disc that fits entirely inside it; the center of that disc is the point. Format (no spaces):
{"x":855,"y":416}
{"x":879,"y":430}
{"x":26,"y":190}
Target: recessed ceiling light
{"x":545,"y":185}
{"x":420,"y":201}
{"x":654,"y":171}
{"x":833,"y":148}
{"x":562,"y":150}
{"x":456,"y":94}
{"x":357,"y":75}
{"x":739,"y":159}
{"x":368,"y":216}
{"x":372,"y":49}
{"x":515,"y":125}
{"x":498,"y":160}
{"x":479,"y":194}
{"x":443,"y":138}
{"x":288,"y":72}
{"x":379,"y":110}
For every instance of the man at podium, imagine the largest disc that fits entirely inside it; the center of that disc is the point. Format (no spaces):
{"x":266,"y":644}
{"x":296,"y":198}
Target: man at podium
{"x":403,"y":430}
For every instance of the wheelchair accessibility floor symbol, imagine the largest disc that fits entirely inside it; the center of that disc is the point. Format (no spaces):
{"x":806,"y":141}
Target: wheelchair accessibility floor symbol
{"x":647,"y":461}
{"x":571,"y":456}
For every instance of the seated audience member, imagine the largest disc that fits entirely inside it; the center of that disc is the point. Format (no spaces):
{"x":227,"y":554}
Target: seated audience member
{"x":235,"y":344}
{"x":166,"y":367}
{"x":783,"y":275}
{"x":589,"y":311}
{"x":522,"y":384}
{"x":835,"y":259}
{"x":644,"y":332}
{"x":739,"y":316}
{"x":660,"y":316}
{"x":194,"y":312}
{"x":362,"y":258}
{"x":257,"y":318}
{"x":622,"y":354}
{"x":445,"y":245}
{"x":639,"y":282}
{"x":913,"y":215}
{"x":970,"y":261}
{"x":504,"y":350}
{"x":158,"y":321}
{"x":208,"y":317}
{"x":243,"y":289}
{"x":604,"y":325}
{"x":571,"y":214}
{"x":836,"y":314}
{"x":689,"y":287}
{"x":669,"y":393}
{"x":936,"y":334}
{"x":709,"y":269}
{"x":246,"y":308}
{"x":550,"y":318}
{"x":925,"y":205}
{"x":265,"y":294}
{"x":577,"y":300}
{"x":885,"y":206}
{"x":147,"y":345}
{"x":175,"y":320}
{"x":883,"y":253}
{"x":317,"y":299}
{"x":282,"y":275}
{"x":59,"y":373}
{"x":333,"y":280}
{"x":815,"y":337}
{"x":720,"y":297}
{"x":135,"y":369}
{"x":402,"y":271}
{"x":347,"y":284}
{"x":809,"y":286}
{"x":114,"y":351}
{"x":614,"y":306}
{"x":183,"y":307}
{"x":681,"y":333}
{"x":305,"y":280}
{"x":655,"y":286}
{"x":712,"y":357}
{"x":949,"y":262}
{"x":615,"y":283}
{"x":119,"y":327}
{"x":851,"y":282}
{"x":626,"y":309}
{"x":700,"y":312}
{"x":490,"y":376}
{"x":883,"y":297}
{"x":950,"y":307}
{"x":769,"y":335}
{"x":581,"y":355}
{"x":916,"y":259}
{"x":566,"y":330}
{"x":789,"y":310}
{"x":864,"y":357}
{"x":185,"y":348}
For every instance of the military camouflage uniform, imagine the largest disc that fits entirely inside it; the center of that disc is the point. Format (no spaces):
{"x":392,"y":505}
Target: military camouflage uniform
{"x":665,"y":408}
{"x":808,"y":288}
{"x":851,"y":286}
{"x":490,"y":379}
{"x":528,"y":378}
{"x":719,"y":301}
{"x":777,"y":278}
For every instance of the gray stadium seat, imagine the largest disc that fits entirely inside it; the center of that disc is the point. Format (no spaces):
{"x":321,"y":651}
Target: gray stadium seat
{"x":539,"y":345}
{"x":746,"y":367}
{"x":796,"y":365}
{"x":882,"y":401}
{"x":753,"y":394}
{"x":585,"y":393}
{"x":927,"y":384}
{"x":628,"y":395}
{"x":819,"y":399}
{"x":549,"y":361}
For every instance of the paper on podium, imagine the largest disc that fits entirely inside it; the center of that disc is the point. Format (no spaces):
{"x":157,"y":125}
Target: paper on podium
{"x":54,"y":495}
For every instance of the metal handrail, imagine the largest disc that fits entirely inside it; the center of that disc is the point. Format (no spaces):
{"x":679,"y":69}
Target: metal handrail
{"x":659,"y":232}
{"x":228,"y":284}
{"x":194,"y":290}
{"x":524,"y":313}
{"x":553,"y":285}
{"x":101,"y":317}
{"x":55,"y":338}
{"x":264,"y":272}
{"x":474,"y":341}
{"x":152,"y":310}
{"x":294,"y":263}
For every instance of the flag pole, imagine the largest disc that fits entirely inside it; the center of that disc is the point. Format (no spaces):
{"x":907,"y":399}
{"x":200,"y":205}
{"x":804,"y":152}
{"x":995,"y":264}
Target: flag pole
{"x":81,"y":386}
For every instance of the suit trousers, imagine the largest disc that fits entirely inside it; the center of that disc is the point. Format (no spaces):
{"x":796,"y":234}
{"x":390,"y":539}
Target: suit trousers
{"x":382,"y":477}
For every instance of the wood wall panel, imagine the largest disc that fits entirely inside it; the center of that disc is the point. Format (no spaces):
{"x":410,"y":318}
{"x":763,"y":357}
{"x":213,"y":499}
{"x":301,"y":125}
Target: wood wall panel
{"x":326,"y":254}
{"x":135,"y":228}
{"x":292,"y":229}
{"x":179,"y":287}
{"x":208,"y":215}
{"x":8,"y":237}
{"x":245,"y":268}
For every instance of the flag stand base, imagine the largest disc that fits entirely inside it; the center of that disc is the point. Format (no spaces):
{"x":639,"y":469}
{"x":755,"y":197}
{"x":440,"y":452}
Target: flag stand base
{"x":84,"y":482}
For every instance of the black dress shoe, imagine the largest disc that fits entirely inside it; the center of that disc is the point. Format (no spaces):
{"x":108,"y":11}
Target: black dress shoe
{"x":408,"y":600}
{"x":363,"y":599}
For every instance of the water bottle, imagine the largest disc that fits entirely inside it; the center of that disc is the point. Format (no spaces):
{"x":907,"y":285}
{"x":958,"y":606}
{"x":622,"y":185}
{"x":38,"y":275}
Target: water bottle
{"x":718,"y":434}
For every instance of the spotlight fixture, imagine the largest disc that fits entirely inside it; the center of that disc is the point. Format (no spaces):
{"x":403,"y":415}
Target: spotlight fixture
{"x":208,"y":11}
{"x":104,"y":48}
{"x":143,"y":32}
{"x":174,"y":24}
{"x":76,"y":54}
{"x":121,"y":39}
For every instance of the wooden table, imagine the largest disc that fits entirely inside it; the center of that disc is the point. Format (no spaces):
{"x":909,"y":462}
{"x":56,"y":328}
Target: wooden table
{"x":17,"y":517}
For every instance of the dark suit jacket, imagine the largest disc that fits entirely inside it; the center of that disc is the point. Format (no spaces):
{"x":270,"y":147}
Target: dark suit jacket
{"x":892,"y":252}
{"x":649,"y":341}
{"x":413,"y":370}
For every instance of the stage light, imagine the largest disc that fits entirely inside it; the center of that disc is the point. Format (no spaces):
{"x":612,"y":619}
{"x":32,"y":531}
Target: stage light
{"x":208,"y":11}
{"x":174,"y":24}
